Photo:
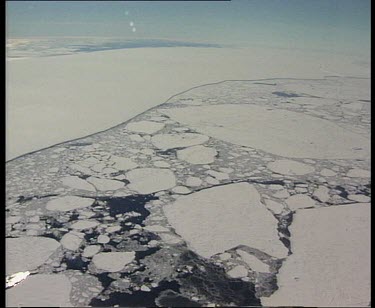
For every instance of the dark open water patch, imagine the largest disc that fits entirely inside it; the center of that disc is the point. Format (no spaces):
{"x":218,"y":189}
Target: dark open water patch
{"x":134,"y":203}
{"x":170,"y":298}
{"x":213,"y":283}
{"x":135,"y":298}
{"x":75,"y":263}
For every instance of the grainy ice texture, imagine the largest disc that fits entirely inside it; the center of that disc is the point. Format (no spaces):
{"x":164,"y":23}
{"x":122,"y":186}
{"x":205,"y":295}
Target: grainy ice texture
{"x":238,"y":193}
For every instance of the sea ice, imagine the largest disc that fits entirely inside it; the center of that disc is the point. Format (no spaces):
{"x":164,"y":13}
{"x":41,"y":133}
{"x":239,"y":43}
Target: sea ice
{"x":145,"y":127}
{"x":217,"y":219}
{"x":91,"y":251}
{"x":299,"y":201}
{"x":285,"y":133}
{"x":358,"y":173}
{"x":330,"y":264}
{"x":41,"y":290}
{"x":193,"y":181}
{"x":123,"y":163}
{"x":289,"y":167}
{"x":197,"y":155}
{"x":238,"y":271}
{"x":71,"y":241}
{"x":27,"y":253}
{"x":105,"y":184}
{"x":171,"y":141}
{"x":77,"y":183}
{"x":149,"y":180}
{"x":68,"y":203}
{"x":253,"y":262}
{"x":113,"y":261}
{"x":84,"y":224}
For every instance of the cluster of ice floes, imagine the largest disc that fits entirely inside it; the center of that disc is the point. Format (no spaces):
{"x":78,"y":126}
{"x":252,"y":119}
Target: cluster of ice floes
{"x":239,"y":193}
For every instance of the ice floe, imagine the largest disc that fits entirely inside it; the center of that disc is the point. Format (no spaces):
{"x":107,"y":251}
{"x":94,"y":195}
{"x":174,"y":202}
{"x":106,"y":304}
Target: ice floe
{"x":68,"y":203}
{"x":285,"y":133}
{"x":171,"y":141}
{"x":112,"y":261}
{"x":253,"y":262}
{"x":300,"y":201}
{"x":42,"y":290}
{"x":220,"y":218}
{"x":77,"y":183}
{"x":72,"y":241}
{"x":105,"y":184}
{"x":289,"y":167}
{"x":84,"y":224}
{"x":149,"y":180}
{"x":198,"y":155}
{"x":27,"y":253}
{"x":331,"y":258}
{"x":145,"y":127}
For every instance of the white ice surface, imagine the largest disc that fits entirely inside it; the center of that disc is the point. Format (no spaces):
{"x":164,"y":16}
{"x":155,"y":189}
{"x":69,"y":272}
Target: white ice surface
{"x":217,"y":219}
{"x":27,"y":253}
{"x":277,"y":131}
{"x":149,"y":180}
{"x":330,"y":264}
{"x":58,"y":98}
{"x":41,"y":290}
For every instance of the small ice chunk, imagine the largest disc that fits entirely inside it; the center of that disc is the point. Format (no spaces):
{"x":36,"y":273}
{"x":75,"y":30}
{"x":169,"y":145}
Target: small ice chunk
{"x":84,"y":224}
{"x":145,"y":289}
{"x":211,"y":180}
{"x":113,"y":229}
{"x":68,"y":203}
{"x":281,"y":194}
{"x":123,"y":163}
{"x":274,"y":206}
{"x":113,"y":261}
{"x":77,"y":183}
{"x":182,"y":190}
{"x":71,"y":241}
{"x":193,"y":181}
{"x":254,"y":263}
{"x":105,"y":184}
{"x":149,"y":180}
{"x":290,"y":167}
{"x":238,"y":272}
{"x":358,"y":173}
{"x":322,"y":193}
{"x":91,"y":251}
{"x":299,"y":201}
{"x":198,"y":155}
{"x":103,"y":239}
{"x":359,"y":198}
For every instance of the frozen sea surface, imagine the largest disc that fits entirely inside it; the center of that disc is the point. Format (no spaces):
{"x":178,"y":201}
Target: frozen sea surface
{"x":199,"y":210}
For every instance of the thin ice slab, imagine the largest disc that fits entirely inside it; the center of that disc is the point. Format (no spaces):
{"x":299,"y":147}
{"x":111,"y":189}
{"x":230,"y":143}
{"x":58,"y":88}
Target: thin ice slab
{"x":220,"y":218}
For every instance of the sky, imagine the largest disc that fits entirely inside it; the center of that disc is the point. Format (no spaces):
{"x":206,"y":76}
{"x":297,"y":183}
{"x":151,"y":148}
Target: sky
{"x":332,"y":25}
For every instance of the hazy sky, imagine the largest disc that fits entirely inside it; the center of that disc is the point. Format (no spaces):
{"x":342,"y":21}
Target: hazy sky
{"x":341,"y":25}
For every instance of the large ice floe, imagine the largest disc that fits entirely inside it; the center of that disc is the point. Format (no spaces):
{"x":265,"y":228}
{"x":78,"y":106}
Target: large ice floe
{"x":330,"y":259}
{"x":277,"y":131}
{"x":220,"y":218}
{"x":239,"y":193}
